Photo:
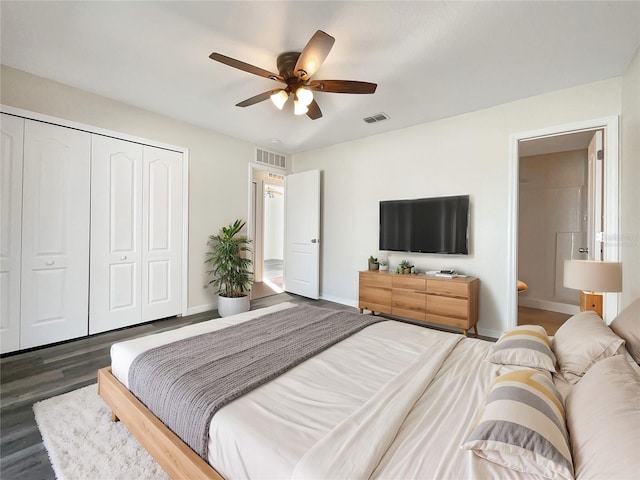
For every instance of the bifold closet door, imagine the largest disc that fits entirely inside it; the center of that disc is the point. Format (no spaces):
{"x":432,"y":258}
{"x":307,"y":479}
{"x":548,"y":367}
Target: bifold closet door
{"x":161,"y":233}
{"x":12,"y":129}
{"x":55,"y":234}
{"x":116,"y":234}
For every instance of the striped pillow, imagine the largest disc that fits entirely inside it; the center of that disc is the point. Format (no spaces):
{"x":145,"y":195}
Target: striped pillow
{"x":525,"y":346}
{"x":522,"y":426}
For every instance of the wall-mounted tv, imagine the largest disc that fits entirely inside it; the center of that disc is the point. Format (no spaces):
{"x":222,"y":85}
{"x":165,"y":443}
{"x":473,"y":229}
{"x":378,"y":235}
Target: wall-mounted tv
{"x":425,"y":225}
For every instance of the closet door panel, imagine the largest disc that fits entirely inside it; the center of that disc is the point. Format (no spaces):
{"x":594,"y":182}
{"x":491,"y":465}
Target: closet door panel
{"x":116,"y":221}
{"x":55,"y":234}
{"x":12,"y":133}
{"x":162,"y":233}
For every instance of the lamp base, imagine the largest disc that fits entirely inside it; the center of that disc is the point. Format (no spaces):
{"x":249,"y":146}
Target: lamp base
{"x":591,"y":301}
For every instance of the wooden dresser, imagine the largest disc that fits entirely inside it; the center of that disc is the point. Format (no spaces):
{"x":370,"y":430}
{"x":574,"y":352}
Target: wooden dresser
{"x":442,"y":301}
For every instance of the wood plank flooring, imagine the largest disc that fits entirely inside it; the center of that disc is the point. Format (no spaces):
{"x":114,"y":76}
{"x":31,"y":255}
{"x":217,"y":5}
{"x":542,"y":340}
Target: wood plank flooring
{"x":28,"y":377}
{"x":551,"y":321}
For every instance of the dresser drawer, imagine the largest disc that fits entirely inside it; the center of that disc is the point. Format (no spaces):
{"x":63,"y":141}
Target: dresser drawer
{"x":448,"y":287}
{"x":410,"y":283}
{"x":375,"y":280}
{"x":376,"y":299}
{"x":447,"y":306}
{"x":408,"y":303}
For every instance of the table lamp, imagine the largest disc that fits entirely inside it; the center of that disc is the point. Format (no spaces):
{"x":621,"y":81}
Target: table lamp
{"x":591,"y":278}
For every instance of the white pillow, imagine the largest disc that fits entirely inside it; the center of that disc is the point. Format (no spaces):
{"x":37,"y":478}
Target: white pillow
{"x":627,"y":326}
{"x":580,"y":342}
{"x":522,"y":426}
{"x":525,"y":346}
{"x":603,"y":418}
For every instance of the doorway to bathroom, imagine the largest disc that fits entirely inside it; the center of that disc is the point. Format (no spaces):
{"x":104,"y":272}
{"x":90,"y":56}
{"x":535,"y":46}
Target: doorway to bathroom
{"x":565,"y":194}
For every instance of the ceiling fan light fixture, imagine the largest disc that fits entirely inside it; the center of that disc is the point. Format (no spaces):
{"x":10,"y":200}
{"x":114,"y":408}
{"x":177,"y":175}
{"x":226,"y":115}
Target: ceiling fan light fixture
{"x":279,"y":99}
{"x":299,"y":108}
{"x":305,"y":96}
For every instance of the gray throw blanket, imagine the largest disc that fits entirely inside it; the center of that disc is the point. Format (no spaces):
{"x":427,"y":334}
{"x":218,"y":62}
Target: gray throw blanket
{"x":185,"y":382}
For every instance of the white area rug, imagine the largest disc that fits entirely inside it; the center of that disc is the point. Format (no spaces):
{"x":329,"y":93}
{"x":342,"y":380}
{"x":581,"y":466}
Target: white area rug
{"x":84,"y":444}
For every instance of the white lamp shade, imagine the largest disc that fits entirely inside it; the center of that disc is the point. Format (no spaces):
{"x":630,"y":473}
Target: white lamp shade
{"x":593,"y":276}
{"x":299,"y":108}
{"x":304,"y":96}
{"x":279,"y":99}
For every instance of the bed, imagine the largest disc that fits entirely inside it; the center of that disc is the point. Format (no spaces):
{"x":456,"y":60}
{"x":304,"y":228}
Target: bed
{"x":392,"y":400}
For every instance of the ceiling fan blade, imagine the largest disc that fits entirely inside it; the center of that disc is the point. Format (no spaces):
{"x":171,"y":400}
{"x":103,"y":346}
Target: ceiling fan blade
{"x":313,"y":55}
{"x":245,"y":67}
{"x":258,"y":98}
{"x":314,"y":111}
{"x":342,"y":86}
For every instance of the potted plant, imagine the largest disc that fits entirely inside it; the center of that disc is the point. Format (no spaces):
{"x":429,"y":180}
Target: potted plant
{"x":404,"y":267}
{"x":230,"y":268}
{"x":384,"y":265}
{"x":373,"y":263}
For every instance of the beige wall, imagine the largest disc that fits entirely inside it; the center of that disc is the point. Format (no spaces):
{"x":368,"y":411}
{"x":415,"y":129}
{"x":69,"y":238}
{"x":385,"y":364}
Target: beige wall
{"x":218,"y":172}
{"x":467,"y":154}
{"x":630,"y":182}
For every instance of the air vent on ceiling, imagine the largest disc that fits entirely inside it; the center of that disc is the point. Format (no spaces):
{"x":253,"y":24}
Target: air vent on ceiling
{"x":270,"y":158}
{"x":378,"y":117}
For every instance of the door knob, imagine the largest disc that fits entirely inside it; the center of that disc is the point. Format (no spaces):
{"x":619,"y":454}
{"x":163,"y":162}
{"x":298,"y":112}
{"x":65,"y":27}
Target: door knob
{"x":583,"y":250}
{"x":50,"y":262}
{"x":124,"y":257}
{"x":315,"y":240}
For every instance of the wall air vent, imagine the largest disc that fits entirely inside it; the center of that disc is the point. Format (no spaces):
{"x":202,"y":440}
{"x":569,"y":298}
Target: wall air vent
{"x":276,"y":176}
{"x":270,"y":158}
{"x":378,"y":117}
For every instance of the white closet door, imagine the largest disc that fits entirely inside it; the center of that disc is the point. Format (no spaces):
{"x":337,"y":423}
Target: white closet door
{"x":162,"y":234}
{"x":55,"y":234}
{"x":10,"y":230}
{"x":116,"y":238}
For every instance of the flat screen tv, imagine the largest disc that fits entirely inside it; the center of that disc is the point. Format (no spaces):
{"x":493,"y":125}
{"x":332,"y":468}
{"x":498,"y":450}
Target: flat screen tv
{"x":425,"y":225}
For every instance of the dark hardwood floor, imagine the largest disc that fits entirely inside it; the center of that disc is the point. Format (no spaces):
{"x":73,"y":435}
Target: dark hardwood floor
{"x":28,"y":377}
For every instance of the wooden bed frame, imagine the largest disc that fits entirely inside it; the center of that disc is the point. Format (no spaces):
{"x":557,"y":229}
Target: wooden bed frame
{"x":173,"y":455}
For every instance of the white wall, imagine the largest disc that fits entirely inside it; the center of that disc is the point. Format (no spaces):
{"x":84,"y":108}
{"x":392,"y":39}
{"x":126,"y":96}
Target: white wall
{"x":218,"y":163}
{"x":630,"y":183}
{"x":467,"y":154}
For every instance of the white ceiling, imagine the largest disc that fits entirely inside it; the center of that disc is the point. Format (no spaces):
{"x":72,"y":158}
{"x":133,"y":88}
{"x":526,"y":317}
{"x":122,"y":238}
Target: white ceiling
{"x":431,"y":60}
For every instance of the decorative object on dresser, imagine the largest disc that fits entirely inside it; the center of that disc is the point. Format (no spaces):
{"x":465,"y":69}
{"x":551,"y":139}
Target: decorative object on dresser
{"x":451,"y":302}
{"x":230,"y":268}
{"x":373,"y":263}
{"x":405,"y":267}
{"x":592,"y":278}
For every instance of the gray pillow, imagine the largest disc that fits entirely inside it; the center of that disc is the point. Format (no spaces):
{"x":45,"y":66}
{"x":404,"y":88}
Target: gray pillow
{"x":627,"y":326}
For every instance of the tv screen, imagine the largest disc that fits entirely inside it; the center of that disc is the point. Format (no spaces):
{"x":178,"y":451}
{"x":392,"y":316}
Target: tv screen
{"x":425,"y":225}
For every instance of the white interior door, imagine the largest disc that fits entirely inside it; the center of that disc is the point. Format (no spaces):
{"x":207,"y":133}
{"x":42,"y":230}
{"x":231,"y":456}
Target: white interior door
{"x":594,"y":201}
{"x":161,"y":233}
{"x":302,"y":234}
{"x":12,"y":129}
{"x":55,"y":234}
{"x":116,"y":237}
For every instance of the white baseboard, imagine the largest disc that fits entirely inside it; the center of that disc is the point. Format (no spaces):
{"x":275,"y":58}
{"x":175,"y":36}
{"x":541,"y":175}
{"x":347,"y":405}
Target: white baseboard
{"x":549,"y":305}
{"x":485,"y":332}
{"x":201,"y":309}
{"x":342,"y":301}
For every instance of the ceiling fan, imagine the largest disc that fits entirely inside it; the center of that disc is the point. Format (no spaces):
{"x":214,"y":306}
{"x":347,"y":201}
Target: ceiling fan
{"x":295,"y":70}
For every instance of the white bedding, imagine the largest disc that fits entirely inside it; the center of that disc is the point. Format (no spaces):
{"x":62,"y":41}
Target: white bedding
{"x":283,"y":429}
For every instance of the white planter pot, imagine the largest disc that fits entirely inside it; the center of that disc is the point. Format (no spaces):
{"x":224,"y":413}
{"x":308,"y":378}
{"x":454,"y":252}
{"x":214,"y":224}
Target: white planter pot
{"x":230,"y":306}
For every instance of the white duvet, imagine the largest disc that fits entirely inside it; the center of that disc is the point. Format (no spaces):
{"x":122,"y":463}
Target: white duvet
{"x":392,"y":401}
